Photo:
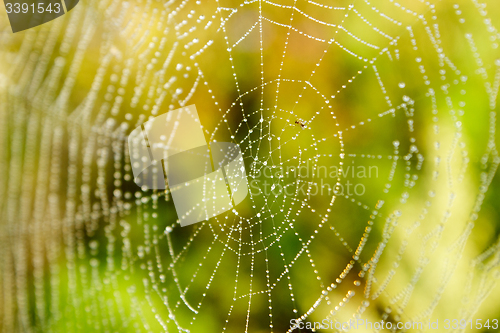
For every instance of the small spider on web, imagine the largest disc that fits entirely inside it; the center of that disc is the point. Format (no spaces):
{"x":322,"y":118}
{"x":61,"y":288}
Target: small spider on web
{"x":301,"y":123}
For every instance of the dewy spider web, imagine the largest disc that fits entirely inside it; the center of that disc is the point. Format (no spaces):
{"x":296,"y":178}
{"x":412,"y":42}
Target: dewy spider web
{"x":396,"y":98}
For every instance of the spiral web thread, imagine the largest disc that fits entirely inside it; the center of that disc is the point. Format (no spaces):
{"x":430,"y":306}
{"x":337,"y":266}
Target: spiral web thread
{"x":295,"y":84}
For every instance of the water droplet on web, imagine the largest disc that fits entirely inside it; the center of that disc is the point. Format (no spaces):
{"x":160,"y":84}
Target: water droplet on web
{"x":94,"y":262}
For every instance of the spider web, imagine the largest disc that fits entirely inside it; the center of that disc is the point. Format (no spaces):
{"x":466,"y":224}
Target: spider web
{"x":396,"y":98}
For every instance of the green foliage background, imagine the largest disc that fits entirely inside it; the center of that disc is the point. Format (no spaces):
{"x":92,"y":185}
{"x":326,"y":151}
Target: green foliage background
{"x":84,"y":249}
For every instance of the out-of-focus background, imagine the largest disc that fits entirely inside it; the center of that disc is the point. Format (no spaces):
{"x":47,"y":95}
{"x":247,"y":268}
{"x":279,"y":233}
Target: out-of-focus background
{"x":368,"y":130}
